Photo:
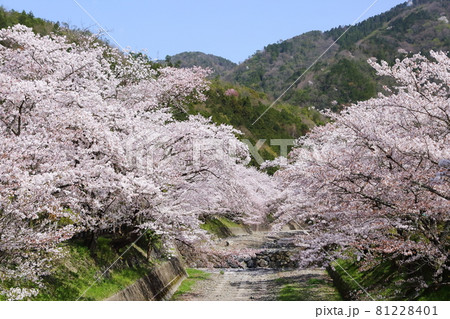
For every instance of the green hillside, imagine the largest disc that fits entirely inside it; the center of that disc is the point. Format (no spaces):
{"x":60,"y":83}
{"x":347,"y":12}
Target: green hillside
{"x":41,"y":26}
{"x":342,"y":75}
{"x":220,"y":66}
{"x":283,"y":121}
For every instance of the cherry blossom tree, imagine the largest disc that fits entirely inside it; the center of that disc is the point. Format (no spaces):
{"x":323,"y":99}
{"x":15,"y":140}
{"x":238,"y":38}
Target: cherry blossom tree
{"x":377,"y":177}
{"x":89,"y":145}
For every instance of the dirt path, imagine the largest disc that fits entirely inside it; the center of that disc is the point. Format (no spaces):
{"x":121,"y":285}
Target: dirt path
{"x":261,"y":283}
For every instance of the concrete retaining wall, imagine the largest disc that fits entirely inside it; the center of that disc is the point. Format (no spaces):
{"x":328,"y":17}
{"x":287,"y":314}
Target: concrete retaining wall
{"x":160,"y":284}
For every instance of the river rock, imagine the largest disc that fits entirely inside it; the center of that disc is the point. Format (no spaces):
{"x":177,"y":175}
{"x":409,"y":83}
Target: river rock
{"x":263,"y":263}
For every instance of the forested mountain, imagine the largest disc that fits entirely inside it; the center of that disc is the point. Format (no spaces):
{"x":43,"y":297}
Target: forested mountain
{"x":342,"y":76}
{"x":219,"y":65}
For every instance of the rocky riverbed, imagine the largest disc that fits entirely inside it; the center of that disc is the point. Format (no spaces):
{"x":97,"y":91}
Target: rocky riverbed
{"x":260,"y":284}
{"x":265,"y":276}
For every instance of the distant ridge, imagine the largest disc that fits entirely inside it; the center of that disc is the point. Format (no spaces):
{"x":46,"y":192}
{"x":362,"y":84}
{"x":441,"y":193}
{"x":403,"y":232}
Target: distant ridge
{"x":219,"y":65}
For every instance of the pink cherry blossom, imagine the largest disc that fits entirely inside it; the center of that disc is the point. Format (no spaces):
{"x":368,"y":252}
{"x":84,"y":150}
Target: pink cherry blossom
{"x":89,"y":145}
{"x":377,"y":177}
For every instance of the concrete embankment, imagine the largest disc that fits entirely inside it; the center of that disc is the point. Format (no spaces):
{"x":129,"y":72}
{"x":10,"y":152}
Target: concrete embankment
{"x":159,"y":284}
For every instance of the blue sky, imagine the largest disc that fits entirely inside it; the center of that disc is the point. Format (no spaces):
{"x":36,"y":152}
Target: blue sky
{"x":232,"y":29}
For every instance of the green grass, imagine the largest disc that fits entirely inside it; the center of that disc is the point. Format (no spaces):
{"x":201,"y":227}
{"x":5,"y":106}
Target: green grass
{"x":219,"y":226}
{"x":384,"y":281}
{"x":194,"y":275}
{"x":313,"y":289}
{"x":374,"y":280}
{"x":229,"y":223}
{"x":77,"y":272}
{"x":292,"y":292}
{"x":441,"y":294}
{"x":316,"y":281}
